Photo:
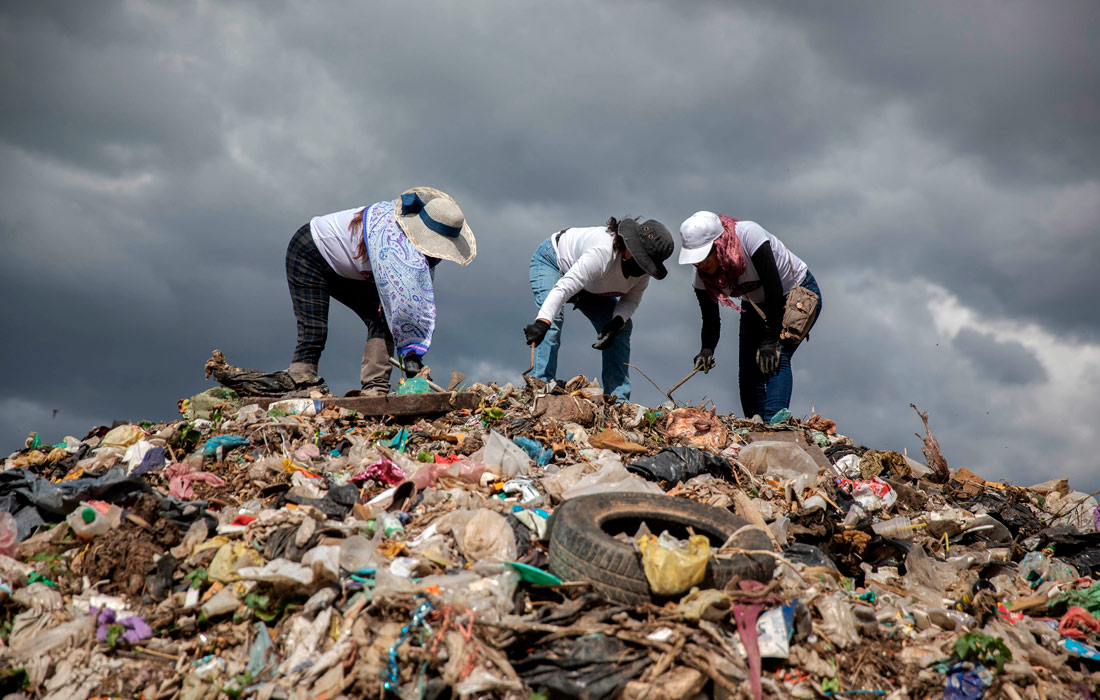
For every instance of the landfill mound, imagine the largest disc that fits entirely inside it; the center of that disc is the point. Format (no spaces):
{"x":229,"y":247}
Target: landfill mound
{"x":530,"y":542}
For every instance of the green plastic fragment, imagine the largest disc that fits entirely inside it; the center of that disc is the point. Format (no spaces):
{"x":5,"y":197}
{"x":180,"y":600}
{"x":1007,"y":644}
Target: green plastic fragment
{"x":35,"y":577}
{"x":416,"y":385}
{"x":535,"y":575}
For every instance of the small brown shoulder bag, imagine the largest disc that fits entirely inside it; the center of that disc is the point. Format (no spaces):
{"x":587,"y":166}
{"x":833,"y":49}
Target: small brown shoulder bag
{"x":798,"y":315}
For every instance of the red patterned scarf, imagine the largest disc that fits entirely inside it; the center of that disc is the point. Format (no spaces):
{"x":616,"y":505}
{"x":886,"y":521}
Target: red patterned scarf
{"x":731,"y":265}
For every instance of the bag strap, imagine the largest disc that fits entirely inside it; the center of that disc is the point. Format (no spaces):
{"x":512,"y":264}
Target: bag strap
{"x":758,"y":309}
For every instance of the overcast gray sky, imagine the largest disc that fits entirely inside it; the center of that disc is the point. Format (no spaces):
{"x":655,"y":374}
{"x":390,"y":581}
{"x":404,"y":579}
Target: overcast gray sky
{"x":934,"y":163}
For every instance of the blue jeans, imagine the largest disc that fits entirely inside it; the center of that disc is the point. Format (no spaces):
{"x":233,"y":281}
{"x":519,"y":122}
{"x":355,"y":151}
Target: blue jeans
{"x":760,"y":394}
{"x":599,"y":311}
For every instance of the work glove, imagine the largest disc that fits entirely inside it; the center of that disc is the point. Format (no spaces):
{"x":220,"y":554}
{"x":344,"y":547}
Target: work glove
{"x":413,"y":364}
{"x":767,"y":357}
{"x":705,"y":360}
{"x":607,"y":335}
{"x":535,"y":332}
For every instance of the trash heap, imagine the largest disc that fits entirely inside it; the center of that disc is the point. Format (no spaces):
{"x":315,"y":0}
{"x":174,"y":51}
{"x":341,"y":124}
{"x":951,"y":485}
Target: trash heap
{"x":543,"y":541}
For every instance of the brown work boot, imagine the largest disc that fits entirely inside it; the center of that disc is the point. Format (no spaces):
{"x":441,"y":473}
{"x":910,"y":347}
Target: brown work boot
{"x":374,"y":373}
{"x":302,"y":372}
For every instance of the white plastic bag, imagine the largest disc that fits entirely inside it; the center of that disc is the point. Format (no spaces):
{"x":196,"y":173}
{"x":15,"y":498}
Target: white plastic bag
{"x":488,"y":537}
{"x":779,"y":460}
{"x":510,"y":457}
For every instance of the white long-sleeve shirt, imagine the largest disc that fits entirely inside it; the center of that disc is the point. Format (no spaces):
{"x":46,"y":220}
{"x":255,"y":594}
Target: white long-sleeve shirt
{"x":588,"y":261}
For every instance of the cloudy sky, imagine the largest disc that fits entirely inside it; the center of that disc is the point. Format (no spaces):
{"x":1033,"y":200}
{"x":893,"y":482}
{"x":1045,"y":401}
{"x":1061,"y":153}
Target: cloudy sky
{"x":935,"y":164}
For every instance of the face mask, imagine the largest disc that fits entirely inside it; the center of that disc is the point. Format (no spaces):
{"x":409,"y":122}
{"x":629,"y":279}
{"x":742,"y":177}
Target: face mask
{"x":631,"y":268}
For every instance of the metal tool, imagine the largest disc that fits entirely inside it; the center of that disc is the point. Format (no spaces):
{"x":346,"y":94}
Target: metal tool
{"x":432,"y":384}
{"x":668,"y":394}
{"x":680,"y":383}
{"x":532,"y":361}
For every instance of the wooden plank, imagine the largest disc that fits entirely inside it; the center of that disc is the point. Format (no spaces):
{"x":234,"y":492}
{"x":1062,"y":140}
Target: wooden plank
{"x":798,"y":438}
{"x":393,"y":404}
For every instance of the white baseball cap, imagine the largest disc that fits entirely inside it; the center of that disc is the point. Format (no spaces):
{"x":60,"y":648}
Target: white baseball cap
{"x":697,"y":235}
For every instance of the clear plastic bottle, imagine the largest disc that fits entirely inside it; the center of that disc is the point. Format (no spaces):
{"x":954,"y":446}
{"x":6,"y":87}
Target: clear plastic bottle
{"x":392,"y":527}
{"x":88,"y":523}
{"x":1037,"y":567}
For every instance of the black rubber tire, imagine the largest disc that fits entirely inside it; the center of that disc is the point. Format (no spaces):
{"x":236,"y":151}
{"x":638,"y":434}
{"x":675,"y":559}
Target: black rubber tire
{"x":583,"y":546}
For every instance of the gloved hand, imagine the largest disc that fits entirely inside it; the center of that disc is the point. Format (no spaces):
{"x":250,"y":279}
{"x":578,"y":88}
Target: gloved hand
{"x":705,"y":360}
{"x":767,"y":357}
{"x":535,"y":332}
{"x":413,"y":364}
{"x":607,"y":335}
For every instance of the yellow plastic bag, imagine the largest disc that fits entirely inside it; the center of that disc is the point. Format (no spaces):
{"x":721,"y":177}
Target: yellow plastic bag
{"x":231,"y":557}
{"x":122,"y":436}
{"x":671,"y":570}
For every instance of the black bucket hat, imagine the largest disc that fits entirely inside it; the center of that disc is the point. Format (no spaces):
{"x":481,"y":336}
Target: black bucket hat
{"x":649,"y":243}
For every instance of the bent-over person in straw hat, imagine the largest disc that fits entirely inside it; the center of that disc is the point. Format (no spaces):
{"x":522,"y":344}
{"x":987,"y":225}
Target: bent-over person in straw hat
{"x":603,"y":271}
{"x":379,"y":261}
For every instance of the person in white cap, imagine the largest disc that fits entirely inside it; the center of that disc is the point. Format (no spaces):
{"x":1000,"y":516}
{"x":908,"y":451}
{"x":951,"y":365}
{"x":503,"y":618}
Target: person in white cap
{"x":735,"y":259}
{"x":379,"y":261}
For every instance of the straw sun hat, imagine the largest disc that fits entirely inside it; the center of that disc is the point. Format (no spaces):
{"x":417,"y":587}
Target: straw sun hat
{"x":433,"y":222}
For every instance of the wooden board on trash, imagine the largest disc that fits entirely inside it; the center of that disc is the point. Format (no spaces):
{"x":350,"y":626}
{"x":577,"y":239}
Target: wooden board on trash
{"x":797,"y":437}
{"x":394,"y":404}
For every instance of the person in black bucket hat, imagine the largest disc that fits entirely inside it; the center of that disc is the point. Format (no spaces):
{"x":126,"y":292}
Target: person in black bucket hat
{"x":603,"y":271}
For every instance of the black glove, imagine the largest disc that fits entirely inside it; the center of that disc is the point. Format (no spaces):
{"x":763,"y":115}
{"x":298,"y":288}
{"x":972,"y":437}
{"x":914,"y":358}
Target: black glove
{"x":603,"y":340}
{"x":705,"y":360}
{"x":767,"y":357}
{"x":535,"y":332}
{"x":412,"y":364}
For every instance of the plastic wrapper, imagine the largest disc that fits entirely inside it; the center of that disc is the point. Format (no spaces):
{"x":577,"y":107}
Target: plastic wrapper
{"x":204,"y":404}
{"x":325,"y":562}
{"x":779,"y":460}
{"x":279,"y":572}
{"x":838,"y":622}
{"x":673,"y":566}
{"x":229,"y":559}
{"x":871,"y":494}
{"x":357,"y":553}
{"x":501,"y":451}
{"x":122,"y":436}
{"x":564,"y":479}
{"x":383,"y":471}
{"x":611,"y":477}
{"x":487,"y":588}
{"x":464,"y":470}
{"x":535,"y":450}
{"x":135,"y":453}
{"x":488,"y":537}
{"x":414,"y":385}
{"x":296,"y":407}
{"x":9,"y":535}
{"x":922,"y":579}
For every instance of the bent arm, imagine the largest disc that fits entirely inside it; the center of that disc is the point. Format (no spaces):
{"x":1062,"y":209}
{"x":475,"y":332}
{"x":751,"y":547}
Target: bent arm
{"x":590,"y":266}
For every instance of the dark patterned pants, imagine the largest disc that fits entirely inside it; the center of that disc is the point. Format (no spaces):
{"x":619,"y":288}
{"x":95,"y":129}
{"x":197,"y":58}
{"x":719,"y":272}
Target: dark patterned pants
{"x":312,"y":283}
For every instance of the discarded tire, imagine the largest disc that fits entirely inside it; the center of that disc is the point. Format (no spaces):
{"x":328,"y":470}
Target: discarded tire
{"x":583,"y":546}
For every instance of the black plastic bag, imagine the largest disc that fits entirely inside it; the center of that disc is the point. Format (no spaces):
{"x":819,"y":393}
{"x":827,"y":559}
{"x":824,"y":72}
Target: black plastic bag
{"x":673,"y":464}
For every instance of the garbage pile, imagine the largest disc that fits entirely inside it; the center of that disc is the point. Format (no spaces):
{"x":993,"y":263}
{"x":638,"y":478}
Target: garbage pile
{"x":547,"y":542}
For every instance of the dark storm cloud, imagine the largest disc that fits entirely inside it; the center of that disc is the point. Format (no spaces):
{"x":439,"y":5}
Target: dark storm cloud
{"x":158,"y":156}
{"x":1004,"y":362}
